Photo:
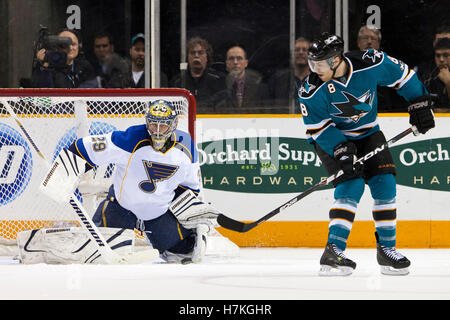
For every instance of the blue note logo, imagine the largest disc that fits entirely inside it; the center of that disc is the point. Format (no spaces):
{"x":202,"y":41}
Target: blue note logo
{"x":16,"y":164}
{"x":156,"y":172}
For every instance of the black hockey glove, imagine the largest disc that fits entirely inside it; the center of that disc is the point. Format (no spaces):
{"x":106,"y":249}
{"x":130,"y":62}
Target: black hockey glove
{"x":345,"y":154}
{"x":420,"y":114}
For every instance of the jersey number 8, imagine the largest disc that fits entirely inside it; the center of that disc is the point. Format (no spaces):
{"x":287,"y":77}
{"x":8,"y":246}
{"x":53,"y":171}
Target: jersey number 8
{"x":331,"y":88}
{"x":303,"y":110}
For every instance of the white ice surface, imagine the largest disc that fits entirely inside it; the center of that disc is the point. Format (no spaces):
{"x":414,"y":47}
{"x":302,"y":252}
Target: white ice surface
{"x":257,"y":274}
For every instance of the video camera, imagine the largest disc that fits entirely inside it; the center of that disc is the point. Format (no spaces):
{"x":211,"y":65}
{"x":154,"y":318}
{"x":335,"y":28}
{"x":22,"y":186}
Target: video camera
{"x":55,"y":55}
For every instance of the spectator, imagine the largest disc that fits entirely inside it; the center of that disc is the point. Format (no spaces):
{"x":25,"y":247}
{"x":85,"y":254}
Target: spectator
{"x":369,"y":37}
{"x":426,"y":68}
{"x":136,"y":76}
{"x":75,"y":72}
{"x":205,"y":83}
{"x":246,"y":91}
{"x":438,"y":80}
{"x":279,"y":84}
{"x":110,"y":69}
{"x":441,"y":32}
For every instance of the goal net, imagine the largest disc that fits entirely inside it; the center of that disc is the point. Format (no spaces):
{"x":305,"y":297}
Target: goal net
{"x":54,"y":119}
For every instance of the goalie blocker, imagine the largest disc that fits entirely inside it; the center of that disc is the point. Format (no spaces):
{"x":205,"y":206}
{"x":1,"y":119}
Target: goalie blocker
{"x":64,"y":176}
{"x":190,"y":211}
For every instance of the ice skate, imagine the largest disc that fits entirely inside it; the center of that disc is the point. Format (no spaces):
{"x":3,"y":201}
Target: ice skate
{"x":197,"y":253}
{"x":334,"y":263}
{"x":391,"y":261}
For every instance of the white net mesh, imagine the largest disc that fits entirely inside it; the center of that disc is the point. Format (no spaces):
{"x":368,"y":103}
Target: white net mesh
{"x":53,"y":123}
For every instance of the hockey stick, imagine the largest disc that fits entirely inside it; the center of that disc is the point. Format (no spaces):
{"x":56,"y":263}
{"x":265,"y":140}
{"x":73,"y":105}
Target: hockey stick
{"x":231,"y":224}
{"x":84,"y":219}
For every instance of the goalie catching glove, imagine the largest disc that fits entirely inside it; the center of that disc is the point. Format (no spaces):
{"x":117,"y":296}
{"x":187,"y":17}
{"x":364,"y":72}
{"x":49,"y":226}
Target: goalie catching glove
{"x":191,"y":211}
{"x":63,"y":177}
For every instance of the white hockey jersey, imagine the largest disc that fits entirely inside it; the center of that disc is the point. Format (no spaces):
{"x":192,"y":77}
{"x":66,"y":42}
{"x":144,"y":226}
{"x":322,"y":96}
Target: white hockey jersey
{"x":144,"y":179}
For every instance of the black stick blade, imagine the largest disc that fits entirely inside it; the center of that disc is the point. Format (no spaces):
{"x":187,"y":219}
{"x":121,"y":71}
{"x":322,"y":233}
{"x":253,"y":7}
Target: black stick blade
{"x":234,"y":225}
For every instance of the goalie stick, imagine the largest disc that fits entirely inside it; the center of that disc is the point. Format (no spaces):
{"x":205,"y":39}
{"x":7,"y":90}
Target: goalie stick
{"x":238,"y":226}
{"x":84,"y":219}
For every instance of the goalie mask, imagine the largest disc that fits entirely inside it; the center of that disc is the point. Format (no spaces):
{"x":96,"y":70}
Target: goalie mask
{"x":161,"y":121}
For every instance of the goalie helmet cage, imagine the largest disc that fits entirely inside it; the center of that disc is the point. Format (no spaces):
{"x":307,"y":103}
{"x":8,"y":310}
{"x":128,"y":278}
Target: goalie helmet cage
{"x":55,"y":118}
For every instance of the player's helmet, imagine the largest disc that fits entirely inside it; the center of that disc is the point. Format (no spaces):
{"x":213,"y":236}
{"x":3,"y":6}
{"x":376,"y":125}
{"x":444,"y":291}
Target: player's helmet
{"x":324,"y":48}
{"x":161,"y":121}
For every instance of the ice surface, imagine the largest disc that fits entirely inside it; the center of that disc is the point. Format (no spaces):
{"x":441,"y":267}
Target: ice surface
{"x":257,"y":274}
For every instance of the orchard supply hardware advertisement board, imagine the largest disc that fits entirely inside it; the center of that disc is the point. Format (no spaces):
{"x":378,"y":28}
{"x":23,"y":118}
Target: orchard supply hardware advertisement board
{"x":253,"y":164}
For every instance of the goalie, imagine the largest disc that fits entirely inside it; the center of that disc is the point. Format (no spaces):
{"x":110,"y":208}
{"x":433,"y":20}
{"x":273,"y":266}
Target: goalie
{"x":155,"y":184}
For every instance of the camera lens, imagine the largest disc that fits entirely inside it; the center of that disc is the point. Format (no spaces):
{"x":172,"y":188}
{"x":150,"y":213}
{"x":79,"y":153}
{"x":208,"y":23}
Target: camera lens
{"x":55,"y":57}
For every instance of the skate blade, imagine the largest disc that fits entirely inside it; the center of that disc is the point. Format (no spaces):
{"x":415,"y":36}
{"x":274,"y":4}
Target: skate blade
{"x":329,"y":271}
{"x":390,"y":271}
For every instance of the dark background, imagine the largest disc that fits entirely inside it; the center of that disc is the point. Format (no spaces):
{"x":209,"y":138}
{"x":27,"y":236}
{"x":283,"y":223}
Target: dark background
{"x":261,"y":26}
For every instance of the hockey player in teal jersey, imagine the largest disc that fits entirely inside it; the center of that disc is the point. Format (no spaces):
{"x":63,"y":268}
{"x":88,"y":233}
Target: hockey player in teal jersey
{"x":338,"y":102}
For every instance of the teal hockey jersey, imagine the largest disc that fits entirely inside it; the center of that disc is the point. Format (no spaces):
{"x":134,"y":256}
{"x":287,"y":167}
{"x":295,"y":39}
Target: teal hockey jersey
{"x":335,"y":111}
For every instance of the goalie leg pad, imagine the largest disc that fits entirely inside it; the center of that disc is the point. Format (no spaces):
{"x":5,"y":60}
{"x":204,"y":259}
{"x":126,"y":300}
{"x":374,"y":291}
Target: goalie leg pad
{"x":69,"y":245}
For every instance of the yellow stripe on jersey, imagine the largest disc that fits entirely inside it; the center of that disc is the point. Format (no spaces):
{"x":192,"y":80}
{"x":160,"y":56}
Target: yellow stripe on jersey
{"x":315,"y":130}
{"x":128,"y":164}
{"x":81,"y":155}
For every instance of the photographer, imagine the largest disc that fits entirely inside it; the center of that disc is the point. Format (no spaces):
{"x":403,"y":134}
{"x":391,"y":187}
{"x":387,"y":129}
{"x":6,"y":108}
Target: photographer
{"x":58,"y":63}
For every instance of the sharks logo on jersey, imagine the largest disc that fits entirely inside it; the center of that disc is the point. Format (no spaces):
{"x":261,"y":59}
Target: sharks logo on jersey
{"x":354,"y":108}
{"x":306,"y":88}
{"x":372,"y":55}
{"x":156,"y":172}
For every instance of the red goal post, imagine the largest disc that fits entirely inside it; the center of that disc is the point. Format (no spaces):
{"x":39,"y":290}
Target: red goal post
{"x":54,"y":118}
{"x":170,"y":93}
